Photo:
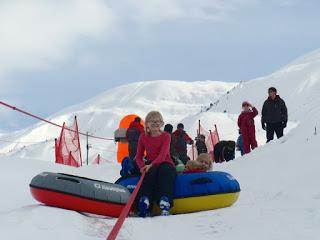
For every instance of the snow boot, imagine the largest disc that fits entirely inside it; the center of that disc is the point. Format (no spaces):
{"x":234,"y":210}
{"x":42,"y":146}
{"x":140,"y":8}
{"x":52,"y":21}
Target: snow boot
{"x":164,"y":205}
{"x":144,"y":207}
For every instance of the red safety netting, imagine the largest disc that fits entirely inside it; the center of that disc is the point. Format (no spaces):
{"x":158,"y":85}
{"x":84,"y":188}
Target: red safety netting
{"x":211,"y":138}
{"x":100,"y":160}
{"x":67,"y":146}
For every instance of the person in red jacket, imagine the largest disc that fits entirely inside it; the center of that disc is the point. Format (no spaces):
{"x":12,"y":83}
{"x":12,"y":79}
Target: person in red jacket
{"x":158,"y":184}
{"x":181,"y":141}
{"x":247,"y":127}
{"x":133,"y":133}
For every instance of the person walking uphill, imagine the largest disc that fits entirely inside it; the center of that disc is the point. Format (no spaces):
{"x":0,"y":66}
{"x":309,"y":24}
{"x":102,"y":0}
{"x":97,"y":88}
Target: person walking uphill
{"x":181,"y":141}
{"x":133,"y":132}
{"x":274,"y":115}
{"x":247,"y":127}
{"x":158,"y":184}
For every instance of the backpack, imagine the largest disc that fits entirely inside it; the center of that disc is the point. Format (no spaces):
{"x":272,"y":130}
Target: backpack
{"x":224,"y":151}
{"x":181,"y":142}
{"x":133,"y":134}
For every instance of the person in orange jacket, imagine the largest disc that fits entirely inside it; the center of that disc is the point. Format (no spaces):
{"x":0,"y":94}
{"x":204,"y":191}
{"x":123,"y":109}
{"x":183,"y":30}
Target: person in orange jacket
{"x":247,"y":127}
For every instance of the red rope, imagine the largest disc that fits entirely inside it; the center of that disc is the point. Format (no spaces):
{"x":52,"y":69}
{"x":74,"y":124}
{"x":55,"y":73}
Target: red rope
{"x":47,"y":121}
{"x":116,"y":228}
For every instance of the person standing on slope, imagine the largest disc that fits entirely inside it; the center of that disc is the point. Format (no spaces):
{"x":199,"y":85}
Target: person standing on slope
{"x":133,"y":132}
{"x":239,"y":143}
{"x":274,"y":115}
{"x":181,"y":141}
{"x":158,"y":184}
{"x":201,"y":144}
{"x":247,"y":127}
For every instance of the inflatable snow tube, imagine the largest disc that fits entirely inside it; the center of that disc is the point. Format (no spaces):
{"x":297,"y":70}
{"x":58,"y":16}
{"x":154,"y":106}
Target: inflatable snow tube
{"x":79,"y":194}
{"x":198,"y":191}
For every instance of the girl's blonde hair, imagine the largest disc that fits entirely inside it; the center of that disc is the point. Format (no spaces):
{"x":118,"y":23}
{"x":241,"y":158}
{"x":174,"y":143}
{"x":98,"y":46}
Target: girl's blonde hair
{"x":152,"y":115}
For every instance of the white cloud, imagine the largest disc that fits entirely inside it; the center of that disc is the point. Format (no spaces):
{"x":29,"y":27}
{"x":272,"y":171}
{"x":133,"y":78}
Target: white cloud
{"x":36,"y":33}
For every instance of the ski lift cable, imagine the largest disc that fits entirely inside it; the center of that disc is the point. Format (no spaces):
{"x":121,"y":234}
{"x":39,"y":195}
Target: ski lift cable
{"x":52,"y":123}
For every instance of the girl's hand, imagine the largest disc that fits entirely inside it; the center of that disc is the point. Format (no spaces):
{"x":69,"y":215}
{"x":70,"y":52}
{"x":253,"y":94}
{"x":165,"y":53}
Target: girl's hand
{"x":145,"y":168}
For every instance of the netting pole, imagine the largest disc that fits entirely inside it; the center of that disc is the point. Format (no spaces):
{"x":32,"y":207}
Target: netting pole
{"x":56,"y":148}
{"x":192,"y":151}
{"x":199,"y":127}
{"x":87,"y":136}
{"x":78,"y":138}
{"x":215,"y":127}
{"x":211,"y":138}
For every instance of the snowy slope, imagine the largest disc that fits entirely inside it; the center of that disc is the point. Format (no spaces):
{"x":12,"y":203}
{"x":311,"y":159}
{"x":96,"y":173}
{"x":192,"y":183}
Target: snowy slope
{"x":280,"y":197}
{"x":298,"y":84}
{"x":100,"y":116}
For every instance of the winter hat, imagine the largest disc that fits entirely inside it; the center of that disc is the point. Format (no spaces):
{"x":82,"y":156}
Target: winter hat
{"x":180,"y":125}
{"x":168,"y":128}
{"x":245,"y":103}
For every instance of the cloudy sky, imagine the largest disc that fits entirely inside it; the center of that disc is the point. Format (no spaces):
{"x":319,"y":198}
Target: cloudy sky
{"x":57,"y":53}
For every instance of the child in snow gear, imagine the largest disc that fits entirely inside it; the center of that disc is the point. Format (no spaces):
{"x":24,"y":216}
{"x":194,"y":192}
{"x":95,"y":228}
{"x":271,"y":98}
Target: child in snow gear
{"x":239,"y":144}
{"x":247,"y":127}
{"x":160,"y":172}
{"x":203,"y":163}
{"x":201,"y":144}
{"x":274,"y":115}
{"x":224,"y":151}
{"x":133,"y":132}
{"x":181,"y":141}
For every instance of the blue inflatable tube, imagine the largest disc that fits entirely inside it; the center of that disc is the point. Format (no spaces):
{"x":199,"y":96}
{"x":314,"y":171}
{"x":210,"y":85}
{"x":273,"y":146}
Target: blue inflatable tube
{"x":198,"y":191}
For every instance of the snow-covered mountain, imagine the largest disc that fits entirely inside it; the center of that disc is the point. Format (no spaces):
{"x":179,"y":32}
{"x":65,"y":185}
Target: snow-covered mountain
{"x":280,"y":196}
{"x":100,"y":115}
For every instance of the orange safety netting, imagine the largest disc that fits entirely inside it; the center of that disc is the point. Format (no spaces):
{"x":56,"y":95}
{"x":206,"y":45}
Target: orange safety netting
{"x":67,"y":146}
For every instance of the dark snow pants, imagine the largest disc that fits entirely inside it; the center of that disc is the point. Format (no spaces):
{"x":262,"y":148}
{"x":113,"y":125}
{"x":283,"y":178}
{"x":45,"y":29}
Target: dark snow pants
{"x":132,"y":149}
{"x":159,"y":181}
{"x":274,"y":128}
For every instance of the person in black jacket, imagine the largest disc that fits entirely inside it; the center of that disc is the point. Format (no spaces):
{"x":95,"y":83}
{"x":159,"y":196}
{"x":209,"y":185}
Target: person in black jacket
{"x":201,"y":144}
{"x":274,"y":115}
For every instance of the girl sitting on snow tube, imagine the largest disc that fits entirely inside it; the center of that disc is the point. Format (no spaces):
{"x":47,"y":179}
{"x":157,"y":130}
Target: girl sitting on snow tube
{"x":158,"y":184}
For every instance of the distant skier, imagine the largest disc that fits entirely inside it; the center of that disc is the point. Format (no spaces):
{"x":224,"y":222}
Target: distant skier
{"x":247,"y":127}
{"x":181,"y":141}
{"x":239,"y":143}
{"x":133,"y":133}
{"x":274,"y":115}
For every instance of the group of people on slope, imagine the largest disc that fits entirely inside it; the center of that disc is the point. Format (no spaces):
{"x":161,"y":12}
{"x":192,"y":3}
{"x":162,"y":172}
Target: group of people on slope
{"x":274,"y":118}
{"x":156,"y":152}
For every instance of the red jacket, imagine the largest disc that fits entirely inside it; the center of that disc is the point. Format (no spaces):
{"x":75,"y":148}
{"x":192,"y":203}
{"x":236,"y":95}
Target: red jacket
{"x":246,"y":119}
{"x":157,"y":149}
{"x":137,"y":126}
